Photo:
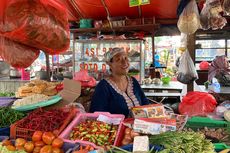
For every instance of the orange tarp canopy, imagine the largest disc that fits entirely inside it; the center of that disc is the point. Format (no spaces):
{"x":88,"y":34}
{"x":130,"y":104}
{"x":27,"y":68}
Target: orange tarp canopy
{"x":94,"y":9}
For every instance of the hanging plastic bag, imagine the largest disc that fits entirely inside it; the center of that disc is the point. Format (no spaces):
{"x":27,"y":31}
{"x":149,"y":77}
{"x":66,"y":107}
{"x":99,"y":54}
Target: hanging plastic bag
{"x":226,"y":7}
{"x":38,"y":23}
{"x":189,"y":20}
{"x":197,"y":104}
{"x":216,"y":20}
{"x":205,"y":17}
{"x":16,"y":54}
{"x":187,"y":71}
{"x":84,"y":78}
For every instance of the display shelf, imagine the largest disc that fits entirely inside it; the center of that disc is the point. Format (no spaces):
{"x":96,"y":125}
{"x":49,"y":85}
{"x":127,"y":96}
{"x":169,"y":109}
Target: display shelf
{"x":88,"y":49}
{"x":148,"y":28}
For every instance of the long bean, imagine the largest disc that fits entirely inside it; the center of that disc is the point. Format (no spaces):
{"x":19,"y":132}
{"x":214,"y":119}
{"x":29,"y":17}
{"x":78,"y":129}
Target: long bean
{"x":8,"y":116}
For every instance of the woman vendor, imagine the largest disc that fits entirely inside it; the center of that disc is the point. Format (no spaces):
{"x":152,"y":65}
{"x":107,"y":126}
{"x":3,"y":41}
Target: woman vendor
{"x":117,"y":93}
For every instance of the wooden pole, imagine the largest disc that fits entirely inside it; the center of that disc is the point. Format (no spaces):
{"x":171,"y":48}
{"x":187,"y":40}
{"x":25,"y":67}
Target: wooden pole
{"x":47,"y":66}
{"x":191,"y":50}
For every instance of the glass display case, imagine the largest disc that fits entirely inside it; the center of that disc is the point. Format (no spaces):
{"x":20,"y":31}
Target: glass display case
{"x":89,"y":55}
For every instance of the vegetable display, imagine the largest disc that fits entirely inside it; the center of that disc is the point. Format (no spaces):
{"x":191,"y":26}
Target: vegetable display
{"x":217,"y":135}
{"x":7,"y":94}
{"x":182,"y":142}
{"x":128,"y":136}
{"x":33,"y":99}
{"x":44,"y":120}
{"x":51,"y":144}
{"x":8,"y":116}
{"x":97,"y":132}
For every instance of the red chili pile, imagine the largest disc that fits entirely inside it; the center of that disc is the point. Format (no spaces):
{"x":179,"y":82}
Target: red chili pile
{"x":44,"y":120}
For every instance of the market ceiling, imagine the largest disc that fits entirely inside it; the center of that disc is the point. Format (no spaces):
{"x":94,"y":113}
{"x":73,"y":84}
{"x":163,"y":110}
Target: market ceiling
{"x":99,"y":9}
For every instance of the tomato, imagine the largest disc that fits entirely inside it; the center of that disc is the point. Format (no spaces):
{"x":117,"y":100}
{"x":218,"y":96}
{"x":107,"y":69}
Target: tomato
{"x":46,"y":149}
{"x":48,"y":137}
{"x":37,"y":136}
{"x":20,"y":148}
{"x":57,"y":143}
{"x":37,"y":149}
{"x":56,"y":150}
{"x":20,"y":142}
{"x":10,"y":148}
{"x":6,"y":142}
{"x":39,"y":144}
{"x":29,"y":146}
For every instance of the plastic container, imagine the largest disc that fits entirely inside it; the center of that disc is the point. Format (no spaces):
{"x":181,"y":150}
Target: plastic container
{"x":130,"y":148}
{"x":6,"y":101}
{"x":17,"y":132}
{"x":122,"y":131}
{"x":86,"y":23}
{"x":84,"y":116}
{"x":51,"y":101}
{"x":200,"y":122}
{"x":221,"y":146}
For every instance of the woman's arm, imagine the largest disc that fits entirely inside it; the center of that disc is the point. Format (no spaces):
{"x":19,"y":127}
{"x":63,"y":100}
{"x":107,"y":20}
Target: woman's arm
{"x":100,"y":98}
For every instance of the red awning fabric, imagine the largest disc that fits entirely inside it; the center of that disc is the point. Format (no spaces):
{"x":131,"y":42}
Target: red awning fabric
{"x":94,"y":9}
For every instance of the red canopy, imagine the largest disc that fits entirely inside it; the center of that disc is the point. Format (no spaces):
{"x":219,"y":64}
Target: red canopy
{"x":161,"y":9}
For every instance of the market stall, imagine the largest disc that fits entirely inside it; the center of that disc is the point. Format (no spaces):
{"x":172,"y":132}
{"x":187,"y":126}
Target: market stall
{"x":53,"y":116}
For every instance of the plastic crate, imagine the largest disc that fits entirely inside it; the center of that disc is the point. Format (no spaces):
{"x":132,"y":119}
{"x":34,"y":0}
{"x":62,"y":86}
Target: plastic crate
{"x":84,"y":116}
{"x":130,"y":148}
{"x":122,"y":131}
{"x":17,"y":132}
{"x":200,"y":122}
{"x":221,"y":146}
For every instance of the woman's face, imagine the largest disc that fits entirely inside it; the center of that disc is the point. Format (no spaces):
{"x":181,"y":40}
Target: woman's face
{"x":120,"y":64}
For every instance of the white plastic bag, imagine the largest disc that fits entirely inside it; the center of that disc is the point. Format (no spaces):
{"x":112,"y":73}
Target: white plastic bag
{"x":187,"y":71}
{"x":189,"y":20}
{"x":205,"y":17}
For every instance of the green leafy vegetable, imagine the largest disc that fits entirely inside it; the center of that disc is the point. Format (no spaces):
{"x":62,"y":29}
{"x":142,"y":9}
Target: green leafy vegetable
{"x":182,"y":142}
{"x":8,"y":116}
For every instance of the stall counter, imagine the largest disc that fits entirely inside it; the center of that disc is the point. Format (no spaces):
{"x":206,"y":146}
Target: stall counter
{"x":11,"y":85}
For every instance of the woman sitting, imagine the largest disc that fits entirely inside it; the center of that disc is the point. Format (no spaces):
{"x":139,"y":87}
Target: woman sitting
{"x":118,"y":93}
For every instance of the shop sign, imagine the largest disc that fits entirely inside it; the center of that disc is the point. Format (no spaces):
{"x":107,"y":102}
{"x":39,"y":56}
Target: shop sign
{"x":92,"y":67}
{"x":144,"y":2}
{"x":133,"y":3}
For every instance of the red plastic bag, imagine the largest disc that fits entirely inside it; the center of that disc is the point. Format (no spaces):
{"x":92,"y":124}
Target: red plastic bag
{"x":38,"y":23}
{"x":197,"y":104}
{"x":204,"y":65}
{"x":84,"y":78}
{"x":16,"y":54}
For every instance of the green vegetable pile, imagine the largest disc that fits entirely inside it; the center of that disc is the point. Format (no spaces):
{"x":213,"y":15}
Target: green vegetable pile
{"x":182,"y":142}
{"x":8,"y":116}
{"x":7,"y":94}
